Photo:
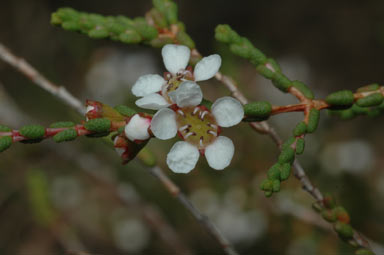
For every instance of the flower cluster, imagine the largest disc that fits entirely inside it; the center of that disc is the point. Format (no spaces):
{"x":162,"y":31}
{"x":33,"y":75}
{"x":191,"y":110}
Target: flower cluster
{"x":178,"y":97}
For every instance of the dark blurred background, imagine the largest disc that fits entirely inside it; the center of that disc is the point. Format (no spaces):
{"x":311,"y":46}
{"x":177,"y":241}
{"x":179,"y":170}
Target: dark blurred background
{"x":51,"y":202}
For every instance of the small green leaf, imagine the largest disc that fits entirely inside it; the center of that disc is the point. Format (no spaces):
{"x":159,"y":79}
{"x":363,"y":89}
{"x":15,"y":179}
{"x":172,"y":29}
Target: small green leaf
{"x":62,"y":124}
{"x":32,"y":131}
{"x":5,"y":143}
{"x":276,"y":185}
{"x":65,"y":135}
{"x":313,"y":120}
{"x":285,"y":171}
{"x":100,"y":125}
{"x":344,"y":230}
{"x":303,"y":89}
{"x":281,"y":82}
{"x":274,"y":172}
{"x":300,"y":129}
{"x":371,"y":100}
{"x":5,"y":129}
{"x":125,"y":110}
{"x":287,"y":155}
{"x":370,"y":87}
{"x":340,"y":98}
{"x":260,"y":109}
{"x":300,"y":145}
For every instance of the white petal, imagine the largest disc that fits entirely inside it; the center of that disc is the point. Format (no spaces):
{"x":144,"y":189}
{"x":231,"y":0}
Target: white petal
{"x":137,"y":128}
{"x":187,"y":94}
{"x":219,"y":154}
{"x":207,"y":67}
{"x":152,"y":101}
{"x":147,"y":84}
{"x":227,"y":111}
{"x":175,"y":57}
{"x":164,"y":124}
{"x":182,"y":157}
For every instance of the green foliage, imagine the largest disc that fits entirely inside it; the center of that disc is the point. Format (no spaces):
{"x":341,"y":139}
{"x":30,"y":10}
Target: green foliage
{"x":340,"y":98}
{"x":62,"y":124}
{"x":287,"y":155}
{"x":32,"y":131}
{"x":313,"y":120}
{"x":300,"y":129}
{"x":5,"y":129}
{"x":370,"y":87}
{"x":168,"y":8}
{"x":125,"y":110}
{"x":300,"y":146}
{"x":257,"y":111}
{"x":344,"y":230}
{"x":371,"y":100}
{"x":96,"y":26}
{"x":65,"y":135}
{"x":5,"y":143}
{"x":100,"y":125}
{"x":303,"y":89}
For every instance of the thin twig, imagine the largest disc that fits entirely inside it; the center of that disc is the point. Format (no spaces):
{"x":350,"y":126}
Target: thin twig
{"x":31,"y":73}
{"x":73,"y":102}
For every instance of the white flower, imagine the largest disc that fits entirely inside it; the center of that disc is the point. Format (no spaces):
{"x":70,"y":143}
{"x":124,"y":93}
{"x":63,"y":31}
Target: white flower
{"x":199,"y":128}
{"x":179,"y":86}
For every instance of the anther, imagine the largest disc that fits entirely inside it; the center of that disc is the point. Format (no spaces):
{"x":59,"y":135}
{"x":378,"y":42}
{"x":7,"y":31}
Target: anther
{"x":212,"y":132}
{"x":184,"y":128}
{"x":203,"y":115}
{"x":212,"y":125}
{"x":189,"y":134}
{"x":201,"y":141}
{"x":181,"y":112}
{"x":195,"y":110}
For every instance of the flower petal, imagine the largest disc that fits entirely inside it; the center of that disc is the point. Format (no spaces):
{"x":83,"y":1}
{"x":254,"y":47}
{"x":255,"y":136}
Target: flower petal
{"x":164,"y":124}
{"x":227,"y":111}
{"x":207,"y":67}
{"x":175,"y":57}
{"x":219,"y":154}
{"x":137,"y":128}
{"x":187,"y":94}
{"x":147,"y":84}
{"x":152,"y":101}
{"x":182,"y":157}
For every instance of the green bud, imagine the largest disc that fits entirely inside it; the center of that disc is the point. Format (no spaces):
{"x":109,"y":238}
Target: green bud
{"x":65,"y":135}
{"x":303,"y":89}
{"x":274,"y":172}
{"x":183,"y":38}
{"x":341,"y":214}
{"x":32,"y":131}
{"x":358,"y":110}
{"x":62,"y":124}
{"x":167,"y":8}
{"x":300,"y":145}
{"x":287,"y":155}
{"x":340,"y":98}
{"x":55,"y":19}
{"x":300,"y":129}
{"x":100,"y":125}
{"x":313,"y":120}
{"x":125,"y":110}
{"x":5,"y":129}
{"x":364,"y":251}
{"x":276,"y":185}
{"x":370,"y":87}
{"x":260,"y":110}
{"x":5,"y":143}
{"x":268,"y":193}
{"x":371,"y":100}
{"x":281,"y":82}
{"x":70,"y":25}
{"x":257,"y":57}
{"x":266,"y":185}
{"x":285,"y":171}
{"x":344,"y":230}
{"x":347,"y":114}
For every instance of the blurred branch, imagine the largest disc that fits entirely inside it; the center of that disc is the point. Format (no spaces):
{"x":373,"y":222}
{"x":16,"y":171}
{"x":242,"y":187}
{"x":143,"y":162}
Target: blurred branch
{"x":73,"y":102}
{"x":31,"y":73}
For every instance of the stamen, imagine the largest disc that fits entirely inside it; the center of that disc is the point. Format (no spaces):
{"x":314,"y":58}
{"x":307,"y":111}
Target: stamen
{"x":201,"y":141}
{"x":189,"y":134}
{"x":181,"y":112}
{"x":203,"y":114}
{"x":184,"y":128}
{"x":195,"y":110}
{"x":212,"y":125}
{"x":212,"y":132}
